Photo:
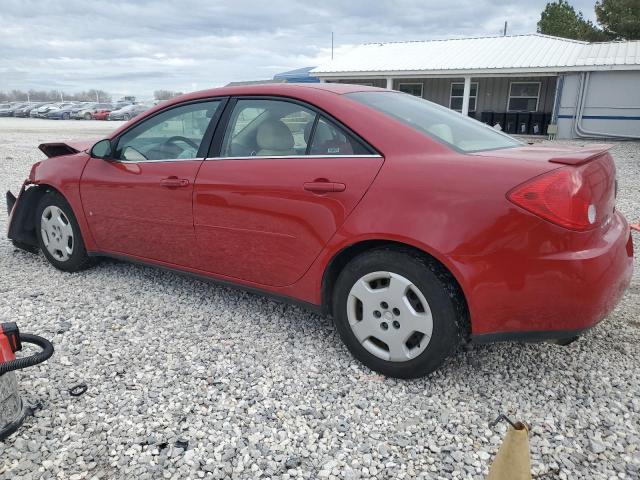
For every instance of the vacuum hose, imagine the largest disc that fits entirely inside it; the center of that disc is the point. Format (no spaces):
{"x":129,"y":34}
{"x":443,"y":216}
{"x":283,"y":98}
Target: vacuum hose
{"x":35,"y":359}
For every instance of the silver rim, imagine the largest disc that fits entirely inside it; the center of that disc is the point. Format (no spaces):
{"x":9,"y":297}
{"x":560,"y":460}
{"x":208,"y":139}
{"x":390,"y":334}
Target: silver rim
{"x":389,"y":316}
{"x":57,"y":234}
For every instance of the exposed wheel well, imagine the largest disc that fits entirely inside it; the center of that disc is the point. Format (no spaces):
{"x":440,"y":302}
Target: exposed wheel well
{"x":346,"y":255}
{"x":23,"y":227}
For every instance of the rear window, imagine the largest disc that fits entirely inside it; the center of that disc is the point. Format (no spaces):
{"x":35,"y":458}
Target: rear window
{"x":440,"y":123}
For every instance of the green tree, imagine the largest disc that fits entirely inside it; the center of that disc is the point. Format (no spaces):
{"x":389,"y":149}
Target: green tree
{"x":620,"y":19}
{"x":560,"y":19}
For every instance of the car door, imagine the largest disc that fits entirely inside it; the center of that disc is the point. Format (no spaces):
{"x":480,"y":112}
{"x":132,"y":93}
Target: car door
{"x":283,"y":179}
{"x":139,"y":202}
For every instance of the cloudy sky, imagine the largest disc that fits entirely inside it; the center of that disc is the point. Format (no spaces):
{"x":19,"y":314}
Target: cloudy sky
{"x":138,"y":46}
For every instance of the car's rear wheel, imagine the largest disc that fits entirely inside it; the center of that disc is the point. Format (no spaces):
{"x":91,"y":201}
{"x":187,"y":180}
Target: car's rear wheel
{"x":59,"y":235}
{"x":125,"y":117}
{"x":87,"y":116}
{"x":396,"y":313}
{"x":65,"y":116}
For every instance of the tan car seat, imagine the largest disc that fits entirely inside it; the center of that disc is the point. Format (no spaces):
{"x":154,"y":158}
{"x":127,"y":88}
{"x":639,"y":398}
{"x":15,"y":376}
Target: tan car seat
{"x":274,"y":138}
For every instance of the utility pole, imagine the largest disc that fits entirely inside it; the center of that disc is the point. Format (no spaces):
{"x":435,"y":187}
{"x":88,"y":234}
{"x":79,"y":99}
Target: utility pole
{"x":61,"y":97}
{"x":504,"y":34}
{"x":28,"y":98}
{"x":331,"y":45}
{"x":97,"y":96}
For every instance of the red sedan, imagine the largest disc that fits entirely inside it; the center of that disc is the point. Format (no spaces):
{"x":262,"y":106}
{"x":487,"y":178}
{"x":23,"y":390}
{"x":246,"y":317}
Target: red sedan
{"x":414,"y":227}
{"x":100,"y":114}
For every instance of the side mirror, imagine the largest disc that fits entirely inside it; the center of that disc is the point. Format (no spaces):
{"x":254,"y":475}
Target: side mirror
{"x":102,"y":149}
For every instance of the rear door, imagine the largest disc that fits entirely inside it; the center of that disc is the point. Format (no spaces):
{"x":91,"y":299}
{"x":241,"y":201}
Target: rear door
{"x":283,"y":179}
{"x":140,"y":202}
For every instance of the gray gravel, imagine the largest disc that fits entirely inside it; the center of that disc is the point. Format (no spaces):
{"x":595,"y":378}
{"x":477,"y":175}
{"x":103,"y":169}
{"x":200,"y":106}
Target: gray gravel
{"x":192,"y":380}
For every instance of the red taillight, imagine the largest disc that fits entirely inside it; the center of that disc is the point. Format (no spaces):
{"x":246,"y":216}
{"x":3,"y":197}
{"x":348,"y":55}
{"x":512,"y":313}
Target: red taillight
{"x":577,"y":198}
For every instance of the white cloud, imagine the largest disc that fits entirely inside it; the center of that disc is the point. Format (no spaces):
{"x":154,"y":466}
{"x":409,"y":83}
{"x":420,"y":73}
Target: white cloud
{"x":140,"y":46}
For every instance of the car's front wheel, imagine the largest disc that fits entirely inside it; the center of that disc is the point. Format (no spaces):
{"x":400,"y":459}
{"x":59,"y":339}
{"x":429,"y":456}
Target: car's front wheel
{"x":397,"y":312}
{"x":87,"y":116}
{"x":59,"y":235}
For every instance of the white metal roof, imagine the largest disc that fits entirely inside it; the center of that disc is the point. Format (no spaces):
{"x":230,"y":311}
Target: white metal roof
{"x":533,"y":53}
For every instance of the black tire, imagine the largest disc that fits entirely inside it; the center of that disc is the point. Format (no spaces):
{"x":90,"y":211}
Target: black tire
{"x":87,"y":116}
{"x":438,"y":288}
{"x":65,"y":116}
{"x":125,"y":117}
{"x":25,"y":246}
{"x":78,"y":259}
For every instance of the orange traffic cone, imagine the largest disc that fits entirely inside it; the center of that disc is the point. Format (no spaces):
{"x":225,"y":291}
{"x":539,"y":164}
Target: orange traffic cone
{"x":512,"y":460}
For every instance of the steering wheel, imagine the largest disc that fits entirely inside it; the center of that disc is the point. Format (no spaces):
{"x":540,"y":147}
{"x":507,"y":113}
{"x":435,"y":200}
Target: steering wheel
{"x":179,"y":138}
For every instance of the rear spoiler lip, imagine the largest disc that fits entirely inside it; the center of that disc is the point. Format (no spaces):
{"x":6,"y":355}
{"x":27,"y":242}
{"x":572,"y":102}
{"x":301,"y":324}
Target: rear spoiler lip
{"x":583,"y":155}
{"x":56,"y":149}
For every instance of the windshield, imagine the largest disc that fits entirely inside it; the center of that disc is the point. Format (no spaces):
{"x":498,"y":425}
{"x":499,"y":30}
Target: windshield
{"x":449,"y":127}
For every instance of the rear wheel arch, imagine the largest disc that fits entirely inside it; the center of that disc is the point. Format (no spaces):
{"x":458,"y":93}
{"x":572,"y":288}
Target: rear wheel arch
{"x":346,"y":255}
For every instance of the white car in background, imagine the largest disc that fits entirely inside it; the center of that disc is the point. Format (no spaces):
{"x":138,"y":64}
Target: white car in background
{"x":128,"y":112}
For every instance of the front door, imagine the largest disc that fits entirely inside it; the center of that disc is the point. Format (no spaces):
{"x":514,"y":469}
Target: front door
{"x":140,"y":202}
{"x":285,"y":180}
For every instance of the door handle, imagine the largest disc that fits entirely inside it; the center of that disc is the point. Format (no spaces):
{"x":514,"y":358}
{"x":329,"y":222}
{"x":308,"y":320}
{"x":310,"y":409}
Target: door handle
{"x":174,"y":182}
{"x":324,"y":187}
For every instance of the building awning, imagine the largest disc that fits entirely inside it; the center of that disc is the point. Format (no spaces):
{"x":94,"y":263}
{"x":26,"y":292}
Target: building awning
{"x":299,"y":75}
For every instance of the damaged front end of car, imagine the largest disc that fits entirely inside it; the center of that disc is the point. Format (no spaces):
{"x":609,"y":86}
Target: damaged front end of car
{"x":21,"y":229}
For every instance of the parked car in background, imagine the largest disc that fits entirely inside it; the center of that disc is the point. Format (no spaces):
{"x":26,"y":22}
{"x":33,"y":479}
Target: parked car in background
{"x":88,"y":110}
{"x":41,"y":111}
{"x":62,"y":113}
{"x":6,"y":110}
{"x":26,"y":110}
{"x":128,"y":112}
{"x":415,"y":227}
{"x":101,"y":114}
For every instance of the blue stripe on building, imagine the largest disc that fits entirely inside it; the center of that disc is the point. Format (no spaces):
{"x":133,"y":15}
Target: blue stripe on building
{"x":601,"y":117}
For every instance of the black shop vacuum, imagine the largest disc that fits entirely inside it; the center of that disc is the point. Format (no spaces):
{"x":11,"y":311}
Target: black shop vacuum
{"x":12,"y":411}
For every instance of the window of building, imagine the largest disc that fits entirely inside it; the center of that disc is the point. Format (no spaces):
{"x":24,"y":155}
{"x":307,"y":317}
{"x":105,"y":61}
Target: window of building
{"x":414,"y":89}
{"x":457,"y":94}
{"x":523,"y":96}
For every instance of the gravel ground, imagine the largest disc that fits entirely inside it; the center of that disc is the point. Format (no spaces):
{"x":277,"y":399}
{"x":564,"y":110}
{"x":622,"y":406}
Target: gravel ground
{"x":192,"y":380}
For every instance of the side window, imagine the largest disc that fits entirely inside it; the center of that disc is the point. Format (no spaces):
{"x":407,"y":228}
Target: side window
{"x":329,"y":139}
{"x":173,"y":134}
{"x":267,"y":128}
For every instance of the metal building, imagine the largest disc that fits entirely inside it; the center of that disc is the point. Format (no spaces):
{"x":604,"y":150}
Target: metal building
{"x":528,"y":84}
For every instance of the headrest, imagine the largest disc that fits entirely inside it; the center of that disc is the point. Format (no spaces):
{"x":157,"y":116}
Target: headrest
{"x":323,"y":132}
{"x":274,"y":135}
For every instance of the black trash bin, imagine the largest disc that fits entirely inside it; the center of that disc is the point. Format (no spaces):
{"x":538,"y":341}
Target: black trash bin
{"x":536,"y":125}
{"x":523,"y":122}
{"x":510,"y":123}
{"x":487,"y":117}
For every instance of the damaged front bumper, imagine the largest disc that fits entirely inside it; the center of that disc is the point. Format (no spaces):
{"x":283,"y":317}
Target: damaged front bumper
{"x":11,"y":201}
{"x":21,"y":224}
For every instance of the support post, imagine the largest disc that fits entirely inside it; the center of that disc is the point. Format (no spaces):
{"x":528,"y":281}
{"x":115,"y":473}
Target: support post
{"x":466,"y":94}
{"x":389,"y":83}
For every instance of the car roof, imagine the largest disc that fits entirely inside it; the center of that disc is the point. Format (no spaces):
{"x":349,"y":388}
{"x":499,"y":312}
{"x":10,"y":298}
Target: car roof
{"x":276,"y":89}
